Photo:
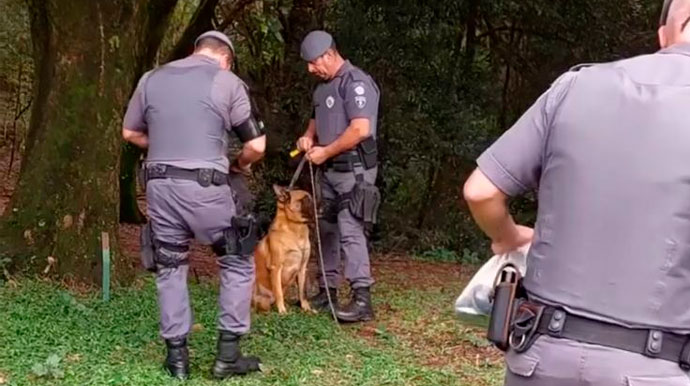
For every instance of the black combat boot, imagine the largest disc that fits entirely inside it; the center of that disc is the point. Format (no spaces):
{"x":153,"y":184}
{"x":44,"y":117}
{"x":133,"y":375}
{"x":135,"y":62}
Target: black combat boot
{"x":229,"y":360}
{"x":177,"y":360}
{"x":319,"y":301}
{"x":359,"y":309}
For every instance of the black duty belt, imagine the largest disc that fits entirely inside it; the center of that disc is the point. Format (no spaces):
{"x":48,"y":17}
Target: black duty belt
{"x":204,"y":176}
{"x":345,"y":162}
{"x":558,"y":323}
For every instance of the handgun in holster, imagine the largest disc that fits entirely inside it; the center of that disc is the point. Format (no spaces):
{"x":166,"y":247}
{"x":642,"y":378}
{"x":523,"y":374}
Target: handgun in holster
{"x":506,"y":293}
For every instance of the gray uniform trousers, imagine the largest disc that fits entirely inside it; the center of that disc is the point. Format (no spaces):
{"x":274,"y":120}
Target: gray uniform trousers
{"x":563,"y":362}
{"x":179,"y":210}
{"x":344,"y":239}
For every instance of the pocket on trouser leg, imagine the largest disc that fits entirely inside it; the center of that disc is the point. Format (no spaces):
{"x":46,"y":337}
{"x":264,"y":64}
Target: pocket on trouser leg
{"x":675,"y":380}
{"x":522,"y":365}
{"x":363,"y":203}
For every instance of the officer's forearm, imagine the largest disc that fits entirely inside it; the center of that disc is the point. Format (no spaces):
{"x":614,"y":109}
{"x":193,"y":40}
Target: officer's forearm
{"x":489,"y":208}
{"x":494,"y":219}
{"x":252,"y":151}
{"x":353,"y":135}
{"x":311,"y":129}
{"x":137,"y":138}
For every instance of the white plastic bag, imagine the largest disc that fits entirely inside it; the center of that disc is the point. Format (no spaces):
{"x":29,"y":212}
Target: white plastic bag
{"x":474,"y":299}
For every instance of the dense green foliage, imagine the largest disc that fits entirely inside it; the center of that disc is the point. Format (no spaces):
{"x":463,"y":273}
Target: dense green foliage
{"x":454,"y":75}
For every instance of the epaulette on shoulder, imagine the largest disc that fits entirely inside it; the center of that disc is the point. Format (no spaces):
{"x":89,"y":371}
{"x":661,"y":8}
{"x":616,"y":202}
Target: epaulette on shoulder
{"x":356,"y":75}
{"x":580,"y":66}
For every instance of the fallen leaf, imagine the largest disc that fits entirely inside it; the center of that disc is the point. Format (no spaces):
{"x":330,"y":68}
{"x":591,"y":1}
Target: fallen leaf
{"x":28,"y":237}
{"x":51,"y":263}
{"x":67,"y":222}
{"x":198,"y":327}
{"x":317,"y":372}
{"x":80,"y":221}
{"x":74,"y":358}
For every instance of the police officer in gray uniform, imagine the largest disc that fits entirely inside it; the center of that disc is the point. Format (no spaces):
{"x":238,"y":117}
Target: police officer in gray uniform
{"x":341,"y":136}
{"x":608,"y":273}
{"x":183,"y":113}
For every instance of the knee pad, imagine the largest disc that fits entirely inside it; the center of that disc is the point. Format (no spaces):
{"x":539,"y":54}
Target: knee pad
{"x":238,"y":240}
{"x":170,"y":255}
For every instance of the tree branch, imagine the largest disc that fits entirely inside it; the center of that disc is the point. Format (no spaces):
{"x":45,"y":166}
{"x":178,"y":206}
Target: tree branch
{"x":230,"y":15}
{"x":202,"y":21}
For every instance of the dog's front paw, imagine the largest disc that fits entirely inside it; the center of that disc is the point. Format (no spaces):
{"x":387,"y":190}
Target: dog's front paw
{"x":282,"y":310}
{"x":307,"y":308}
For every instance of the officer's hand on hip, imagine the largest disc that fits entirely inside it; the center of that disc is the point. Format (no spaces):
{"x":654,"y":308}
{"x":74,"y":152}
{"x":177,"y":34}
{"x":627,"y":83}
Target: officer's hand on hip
{"x":317,"y":155}
{"x":514,"y":239}
{"x":305,"y":143}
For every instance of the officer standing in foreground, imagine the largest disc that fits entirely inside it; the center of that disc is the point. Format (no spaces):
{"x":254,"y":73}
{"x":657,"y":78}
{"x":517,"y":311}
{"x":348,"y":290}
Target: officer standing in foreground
{"x":182,"y":113}
{"x":341,"y":136}
{"x":608,"y":271}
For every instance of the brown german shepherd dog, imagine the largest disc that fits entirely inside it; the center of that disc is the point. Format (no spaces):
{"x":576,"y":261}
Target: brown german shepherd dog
{"x":282,"y":255}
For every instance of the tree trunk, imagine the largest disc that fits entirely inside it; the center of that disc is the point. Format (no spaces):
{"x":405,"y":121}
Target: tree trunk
{"x":155,"y":24}
{"x":130,"y":213}
{"x":87,"y":54}
{"x":202,"y":21}
{"x":471,"y":33}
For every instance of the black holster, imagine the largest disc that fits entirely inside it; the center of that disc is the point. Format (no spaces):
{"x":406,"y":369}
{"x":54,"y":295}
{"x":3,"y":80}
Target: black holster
{"x":246,"y":234}
{"x":240,"y":239}
{"x":368,"y":152}
{"x":506,"y":294}
{"x":147,"y":248}
{"x":141,"y":176}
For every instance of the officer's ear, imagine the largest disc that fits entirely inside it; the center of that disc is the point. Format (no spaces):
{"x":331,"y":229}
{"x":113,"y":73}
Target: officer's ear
{"x":663,"y":39}
{"x":281,"y":193}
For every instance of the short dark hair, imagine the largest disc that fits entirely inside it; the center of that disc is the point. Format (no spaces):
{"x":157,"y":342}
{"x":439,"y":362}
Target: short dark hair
{"x":214,"y":45}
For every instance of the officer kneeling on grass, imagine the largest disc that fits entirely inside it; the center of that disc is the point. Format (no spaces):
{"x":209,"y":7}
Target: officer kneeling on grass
{"x":607,"y":288}
{"x":183,"y":113}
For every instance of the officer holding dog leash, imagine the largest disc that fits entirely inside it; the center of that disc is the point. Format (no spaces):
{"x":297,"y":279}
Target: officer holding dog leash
{"x":341,"y":137}
{"x":183,"y":113}
{"x":608,"y":274}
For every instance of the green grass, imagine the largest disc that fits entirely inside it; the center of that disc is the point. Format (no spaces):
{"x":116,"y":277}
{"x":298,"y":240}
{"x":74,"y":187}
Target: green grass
{"x":52,"y":336}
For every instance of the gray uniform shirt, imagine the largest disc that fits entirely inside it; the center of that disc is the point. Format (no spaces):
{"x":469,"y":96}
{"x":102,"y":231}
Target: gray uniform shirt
{"x":608,"y":148}
{"x":187,"y":107}
{"x":351,"y":94}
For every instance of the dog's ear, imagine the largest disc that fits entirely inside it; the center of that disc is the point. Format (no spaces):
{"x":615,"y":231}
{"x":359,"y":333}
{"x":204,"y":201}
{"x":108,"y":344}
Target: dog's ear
{"x":281,"y":192}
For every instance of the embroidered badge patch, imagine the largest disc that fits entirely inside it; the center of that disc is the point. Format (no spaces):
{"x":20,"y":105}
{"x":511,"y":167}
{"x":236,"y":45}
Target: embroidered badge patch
{"x":361,"y":101}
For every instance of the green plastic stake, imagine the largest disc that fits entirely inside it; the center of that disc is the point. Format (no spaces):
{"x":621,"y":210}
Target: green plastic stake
{"x":105,"y":249}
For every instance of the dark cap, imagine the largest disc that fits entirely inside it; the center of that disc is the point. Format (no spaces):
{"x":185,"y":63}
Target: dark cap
{"x":315,"y":44}
{"x":664,"y":12}
{"x":216,"y":35}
